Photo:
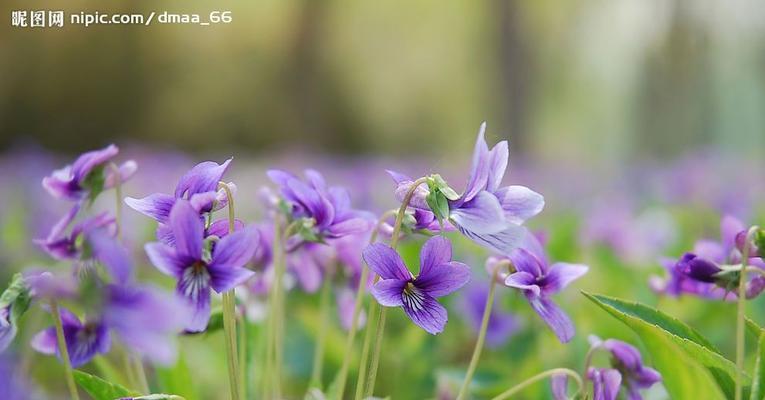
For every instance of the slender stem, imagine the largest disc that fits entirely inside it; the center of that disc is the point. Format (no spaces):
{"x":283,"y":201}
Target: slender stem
{"x":373,"y":317}
{"x":118,"y":195}
{"x":229,"y":313}
{"x":343,"y":373}
{"x":481,"y":338}
{"x":242,"y":351}
{"x":64,"y":351}
{"x":318,"y":355}
{"x":740,"y":337}
{"x":268,"y":365}
{"x":131,"y":379}
{"x":372,"y":376}
{"x":528,"y":382}
{"x":141,"y":373}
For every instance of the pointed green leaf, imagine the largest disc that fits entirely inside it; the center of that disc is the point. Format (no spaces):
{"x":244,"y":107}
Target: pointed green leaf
{"x":753,"y":328}
{"x":160,"y":396}
{"x":758,"y":376}
{"x":100,"y":389}
{"x":704,"y":373}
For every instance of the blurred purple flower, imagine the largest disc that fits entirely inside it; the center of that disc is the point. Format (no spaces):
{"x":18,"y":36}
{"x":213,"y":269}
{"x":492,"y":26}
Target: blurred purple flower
{"x":539,"y":281}
{"x":502,"y":325}
{"x":146,"y":320}
{"x":197,"y":272}
{"x":626,"y":359}
{"x":328,"y":208}
{"x":13,"y":384}
{"x":439,"y":276}
{"x":605,"y":383}
{"x":88,"y":175}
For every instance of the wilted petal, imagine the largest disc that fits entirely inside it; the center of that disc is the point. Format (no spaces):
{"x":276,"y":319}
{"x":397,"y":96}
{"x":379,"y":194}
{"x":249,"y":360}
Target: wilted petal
{"x":203,"y":177}
{"x":444,"y":279}
{"x":388,"y":292}
{"x":424,"y":311}
{"x":436,"y":250}
{"x":384,"y":261}
{"x":156,"y":206}
{"x":188,"y":230}
{"x":483,"y":214}
{"x":519,"y":203}
{"x":553,"y":316}
{"x":561,"y":275}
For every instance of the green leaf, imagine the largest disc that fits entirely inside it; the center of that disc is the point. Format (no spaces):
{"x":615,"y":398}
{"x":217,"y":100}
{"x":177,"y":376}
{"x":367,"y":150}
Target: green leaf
{"x":100,"y":389}
{"x":753,"y":328}
{"x":160,"y":396}
{"x":16,"y":298}
{"x":758,"y":391}
{"x":705,"y":373}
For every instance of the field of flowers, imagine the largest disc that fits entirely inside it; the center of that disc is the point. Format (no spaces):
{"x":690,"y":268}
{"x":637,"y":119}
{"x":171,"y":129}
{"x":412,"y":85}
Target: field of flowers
{"x":136,"y":273}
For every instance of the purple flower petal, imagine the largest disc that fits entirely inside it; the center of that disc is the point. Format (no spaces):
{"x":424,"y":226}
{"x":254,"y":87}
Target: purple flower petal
{"x":403,"y":184}
{"x":388,"y":292}
{"x":503,"y":242}
{"x":553,"y":316}
{"x":524,"y":261}
{"x":561,"y":275}
{"x":482,"y":214}
{"x":384,"y":261}
{"x":436,"y":250}
{"x":90,"y":160}
{"x":479,"y":169}
{"x":443,"y":279}
{"x":519,"y":203}
{"x":188,"y":230}
{"x":605,"y":383}
{"x":111,"y":254}
{"x":124,"y":173}
{"x":194,"y":288}
{"x":230,"y":254}
{"x":348,"y":227}
{"x":45,"y":341}
{"x":220,"y":227}
{"x":497,"y":164}
{"x":319,"y":206}
{"x":424,"y":311}
{"x":729,"y":228}
{"x":203,"y":177}
{"x":166,"y":259}
{"x":559,"y":384}
{"x":524,"y":281}
{"x":710,"y":250}
{"x":156,"y":206}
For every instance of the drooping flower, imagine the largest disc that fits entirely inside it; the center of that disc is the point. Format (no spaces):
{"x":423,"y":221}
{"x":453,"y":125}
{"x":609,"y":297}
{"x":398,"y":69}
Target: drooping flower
{"x":145,"y":319}
{"x":501,"y":325}
{"x":326,"y":211}
{"x":90,"y":239}
{"x":197,"y":268}
{"x":486,"y":213}
{"x":626,"y":359}
{"x":539,"y":281}
{"x":199,"y":186}
{"x":438,"y":276}
{"x":88,"y":175}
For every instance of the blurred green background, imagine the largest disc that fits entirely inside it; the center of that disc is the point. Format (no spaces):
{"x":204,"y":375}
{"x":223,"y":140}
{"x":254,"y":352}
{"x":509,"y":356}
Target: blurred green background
{"x":600,"y":81}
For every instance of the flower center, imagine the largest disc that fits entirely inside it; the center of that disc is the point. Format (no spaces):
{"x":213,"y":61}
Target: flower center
{"x":413,"y":297}
{"x":195,"y":280}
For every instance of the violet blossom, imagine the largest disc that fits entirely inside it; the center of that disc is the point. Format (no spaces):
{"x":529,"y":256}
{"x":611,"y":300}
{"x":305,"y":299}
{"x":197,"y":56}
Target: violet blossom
{"x":199,"y":268}
{"x":626,"y":359}
{"x":88,"y":175}
{"x":538,"y":280}
{"x":438,"y":276}
{"x":486,"y":213}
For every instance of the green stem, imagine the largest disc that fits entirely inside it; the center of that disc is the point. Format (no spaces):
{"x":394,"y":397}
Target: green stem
{"x":740,"y":337}
{"x":141,"y":373}
{"x":268,"y":365}
{"x":229,"y":313}
{"x":318,"y":355}
{"x":132,"y":381}
{"x":118,"y":195}
{"x":242,"y":351}
{"x":372,"y":376}
{"x":481,"y":338}
{"x":373,"y":318}
{"x":64,"y":351}
{"x":342,"y":375}
{"x":528,"y":382}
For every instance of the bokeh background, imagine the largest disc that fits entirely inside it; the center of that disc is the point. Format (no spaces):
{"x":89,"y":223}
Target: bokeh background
{"x":642,"y":123}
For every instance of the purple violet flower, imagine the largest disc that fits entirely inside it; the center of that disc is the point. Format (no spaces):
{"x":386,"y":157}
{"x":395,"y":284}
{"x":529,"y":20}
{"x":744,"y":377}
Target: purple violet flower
{"x":539,"y":281}
{"x":197,"y":270}
{"x":486,"y":213}
{"x":88,"y":175}
{"x":439,"y":276}
{"x":199,"y":186}
{"x":145,"y":320}
{"x":327,"y":208}
{"x":626,"y":359}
